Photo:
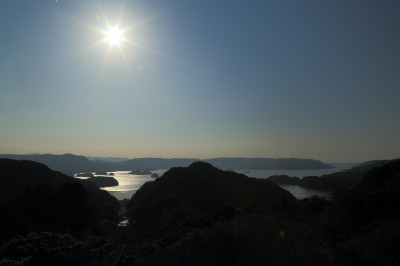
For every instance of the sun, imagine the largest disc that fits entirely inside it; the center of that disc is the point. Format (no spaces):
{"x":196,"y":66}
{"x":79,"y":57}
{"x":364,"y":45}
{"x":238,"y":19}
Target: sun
{"x":114,"y":36}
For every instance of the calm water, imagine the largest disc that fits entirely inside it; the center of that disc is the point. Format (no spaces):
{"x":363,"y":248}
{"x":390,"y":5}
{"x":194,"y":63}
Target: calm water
{"x":129,"y":184}
{"x":302,"y":193}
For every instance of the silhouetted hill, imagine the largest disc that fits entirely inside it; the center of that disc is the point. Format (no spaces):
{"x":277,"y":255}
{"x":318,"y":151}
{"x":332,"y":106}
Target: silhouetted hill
{"x":196,"y":216}
{"x":284,"y":179}
{"x":180,"y":192}
{"x":331,"y":182}
{"x":35,"y":198}
{"x":366,"y":166}
{"x":378,"y":194}
{"x":66,"y":163}
{"x":364,"y":222}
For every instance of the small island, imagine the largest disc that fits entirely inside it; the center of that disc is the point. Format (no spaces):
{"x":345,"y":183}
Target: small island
{"x":101,"y":173}
{"x":84,"y":175}
{"x":103,"y":181}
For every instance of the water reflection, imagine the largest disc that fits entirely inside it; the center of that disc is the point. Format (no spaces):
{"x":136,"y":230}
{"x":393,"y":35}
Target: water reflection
{"x":129,"y":184}
{"x":302,"y":193}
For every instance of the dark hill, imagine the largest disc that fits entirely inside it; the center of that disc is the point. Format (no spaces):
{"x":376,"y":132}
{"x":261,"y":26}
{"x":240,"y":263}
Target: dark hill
{"x":331,"y":182}
{"x":35,"y":198}
{"x":366,"y":166}
{"x":284,"y":179}
{"x":364,"y":223}
{"x":103,"y":181}
{"x":182,"y":191}
{"x":377,"y":196}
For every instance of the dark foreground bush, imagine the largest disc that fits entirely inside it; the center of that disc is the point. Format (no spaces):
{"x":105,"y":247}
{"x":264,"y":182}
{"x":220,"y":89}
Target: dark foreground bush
{"x":57,"y":249}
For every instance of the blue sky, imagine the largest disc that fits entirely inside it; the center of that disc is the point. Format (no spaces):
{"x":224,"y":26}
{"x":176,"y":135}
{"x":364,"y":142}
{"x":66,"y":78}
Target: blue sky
{"x":281,"y":78}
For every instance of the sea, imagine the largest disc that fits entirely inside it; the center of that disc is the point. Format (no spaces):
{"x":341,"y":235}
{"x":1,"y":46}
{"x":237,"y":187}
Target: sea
{"x":129,"y":184}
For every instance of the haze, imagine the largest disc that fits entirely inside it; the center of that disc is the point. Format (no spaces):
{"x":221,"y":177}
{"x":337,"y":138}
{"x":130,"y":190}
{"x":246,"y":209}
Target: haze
{"x":309,"y":79}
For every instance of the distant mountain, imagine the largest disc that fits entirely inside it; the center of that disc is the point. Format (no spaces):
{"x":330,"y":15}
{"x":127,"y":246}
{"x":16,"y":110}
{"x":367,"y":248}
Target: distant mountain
{"x":66,"y":163}
{"x":268,"y":163}
{"x":107,"y":159}
{"x":229,"y":163}
{"x":71,"y":164}
{"x":155,"y":163}
{"x":184,"y":191}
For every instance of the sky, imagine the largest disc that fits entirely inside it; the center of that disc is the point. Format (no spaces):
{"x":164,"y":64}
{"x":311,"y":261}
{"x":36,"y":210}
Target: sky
{"x":211,"y":78}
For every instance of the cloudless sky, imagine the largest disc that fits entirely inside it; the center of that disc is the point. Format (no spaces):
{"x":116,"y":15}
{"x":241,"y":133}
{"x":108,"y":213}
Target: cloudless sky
{"x":280,"y":78}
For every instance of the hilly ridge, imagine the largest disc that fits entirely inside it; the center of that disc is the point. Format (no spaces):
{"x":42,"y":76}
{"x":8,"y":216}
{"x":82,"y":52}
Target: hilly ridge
{"x":71,"y":164}
{"x":183,"y":191}
{"x":35,"y":198}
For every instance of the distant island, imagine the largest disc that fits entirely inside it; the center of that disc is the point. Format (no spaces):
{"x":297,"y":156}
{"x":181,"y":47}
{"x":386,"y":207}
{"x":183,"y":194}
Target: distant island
{"x":71,"y":164}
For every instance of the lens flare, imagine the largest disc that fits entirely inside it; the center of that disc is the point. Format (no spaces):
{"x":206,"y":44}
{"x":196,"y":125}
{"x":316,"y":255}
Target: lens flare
{"x":114,"y":36}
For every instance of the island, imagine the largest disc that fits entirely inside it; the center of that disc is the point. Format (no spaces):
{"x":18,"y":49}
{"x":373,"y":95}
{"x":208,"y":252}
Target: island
{"x":103,"y":181}
{"x":140,"y":172}
{"x":101,"y":173}
{"x":84,"y":175}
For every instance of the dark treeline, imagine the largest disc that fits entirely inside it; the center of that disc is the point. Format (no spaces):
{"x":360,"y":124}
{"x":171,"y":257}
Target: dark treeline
{"x":197,"y":215}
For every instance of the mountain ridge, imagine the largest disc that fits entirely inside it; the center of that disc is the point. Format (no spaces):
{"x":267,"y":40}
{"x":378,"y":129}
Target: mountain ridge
{"x":71,"y":164}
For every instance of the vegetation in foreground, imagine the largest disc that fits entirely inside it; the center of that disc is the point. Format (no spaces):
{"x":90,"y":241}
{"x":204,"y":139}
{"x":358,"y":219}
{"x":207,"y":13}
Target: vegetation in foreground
{"x":177,"y":222}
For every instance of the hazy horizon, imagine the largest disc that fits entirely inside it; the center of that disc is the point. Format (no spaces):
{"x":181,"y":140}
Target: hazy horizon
{"x":122,"y":158}
{"x":201,"y":79}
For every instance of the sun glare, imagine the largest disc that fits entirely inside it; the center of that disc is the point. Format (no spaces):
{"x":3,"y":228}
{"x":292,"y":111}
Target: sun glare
{"x":114,"y":36}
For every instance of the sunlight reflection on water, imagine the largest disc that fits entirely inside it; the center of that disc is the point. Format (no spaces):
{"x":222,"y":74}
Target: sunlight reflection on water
{"x":129,"y":184}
